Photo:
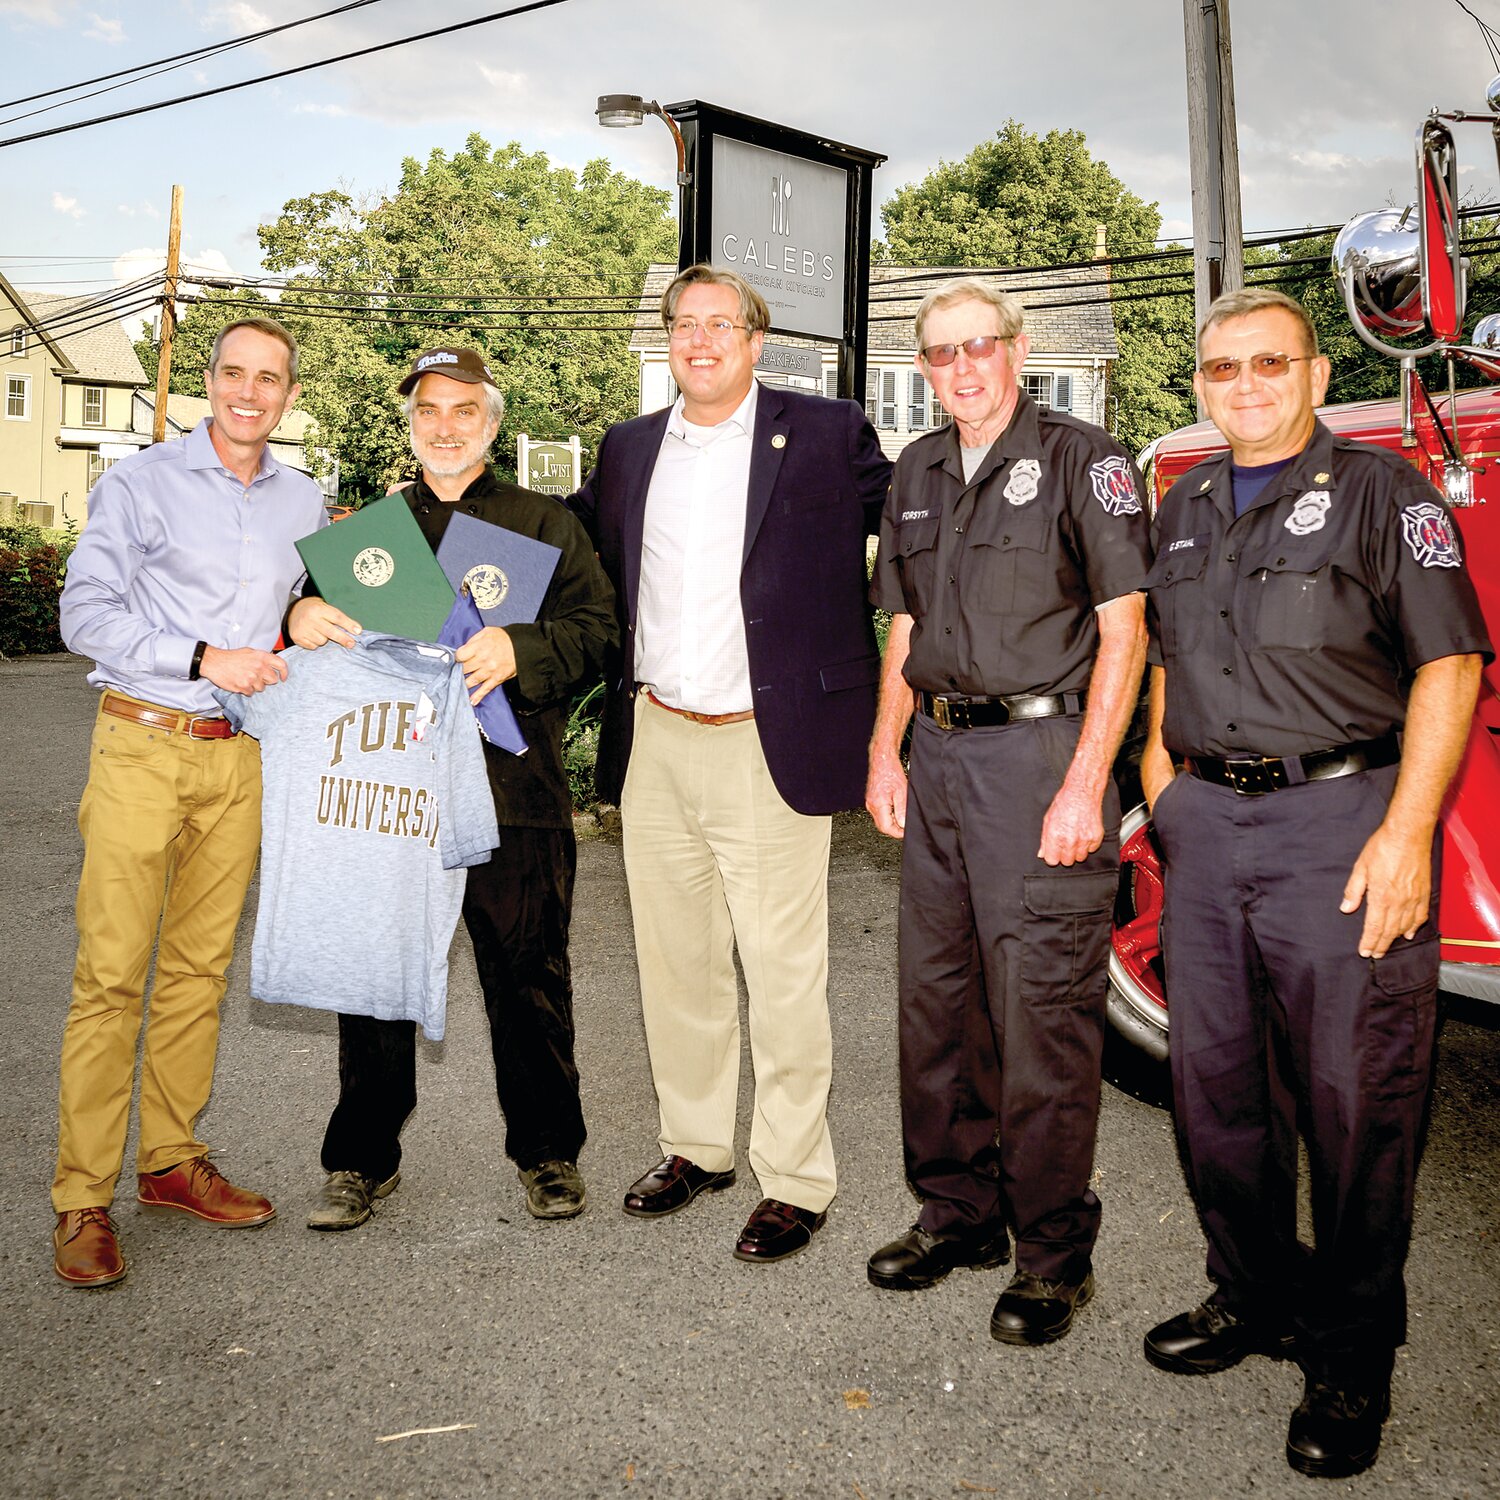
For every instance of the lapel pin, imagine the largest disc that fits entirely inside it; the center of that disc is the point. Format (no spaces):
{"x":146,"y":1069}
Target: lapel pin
{"x":1321,"y":478}
{"x":1207,"y":484}
{"x":779,"y":440}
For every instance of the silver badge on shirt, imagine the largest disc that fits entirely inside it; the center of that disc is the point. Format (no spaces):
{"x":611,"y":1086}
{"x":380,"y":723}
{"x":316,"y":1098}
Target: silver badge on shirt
{"x":1309,"y":512}
{"x":1021,"y":486}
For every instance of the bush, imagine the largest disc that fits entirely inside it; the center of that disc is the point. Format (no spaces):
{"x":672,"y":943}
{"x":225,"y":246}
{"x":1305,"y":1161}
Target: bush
{"x":32,"y":565}
{"x":581,"y":747}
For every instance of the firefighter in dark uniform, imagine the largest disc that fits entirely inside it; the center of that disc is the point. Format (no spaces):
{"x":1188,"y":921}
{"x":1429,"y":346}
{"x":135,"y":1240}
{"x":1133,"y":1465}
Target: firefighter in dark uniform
{"x":1012,"y":552}
{"x":1319,"y":648}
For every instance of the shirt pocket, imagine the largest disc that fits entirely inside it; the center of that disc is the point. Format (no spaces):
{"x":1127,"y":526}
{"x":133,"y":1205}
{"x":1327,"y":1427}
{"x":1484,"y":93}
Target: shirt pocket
{"x":1285,"y":598}
{"x":1175,"y":589}
{"x":915,"y":546}
{"x":1010,"y":567}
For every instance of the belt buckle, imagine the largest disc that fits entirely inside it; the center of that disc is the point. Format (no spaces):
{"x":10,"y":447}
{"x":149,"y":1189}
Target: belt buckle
{"x":190,"y":728}
{"x":1250,"y":778}
{"x":942,"y":714}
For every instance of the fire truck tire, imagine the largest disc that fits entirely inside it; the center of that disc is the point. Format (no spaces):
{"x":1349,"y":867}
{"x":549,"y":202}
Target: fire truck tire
{"x":1137,"y":999}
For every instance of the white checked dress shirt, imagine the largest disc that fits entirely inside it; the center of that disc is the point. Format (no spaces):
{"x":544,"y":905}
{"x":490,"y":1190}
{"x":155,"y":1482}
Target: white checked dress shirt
{"x":690,"y":629}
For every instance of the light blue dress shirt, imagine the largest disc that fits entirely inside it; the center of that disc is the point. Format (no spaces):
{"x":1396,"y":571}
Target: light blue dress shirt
{"x":177,"y":550}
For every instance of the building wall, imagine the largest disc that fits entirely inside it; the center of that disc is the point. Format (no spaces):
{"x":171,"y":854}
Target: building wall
{"x":23,"y":440}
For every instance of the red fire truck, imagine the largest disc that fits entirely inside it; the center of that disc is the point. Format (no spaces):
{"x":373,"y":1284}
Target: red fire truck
{"x":1402,"y":275}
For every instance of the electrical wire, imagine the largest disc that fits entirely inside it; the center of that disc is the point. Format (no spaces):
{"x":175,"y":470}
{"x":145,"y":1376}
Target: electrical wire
{"x":244,"y":83}
{"x":164,"y":65}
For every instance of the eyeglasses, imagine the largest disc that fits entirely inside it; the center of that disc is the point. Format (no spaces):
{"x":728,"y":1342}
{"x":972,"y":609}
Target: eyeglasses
{"x":717,"y":329}
{"x":1271,"y":366}
{"x":980,"y":347}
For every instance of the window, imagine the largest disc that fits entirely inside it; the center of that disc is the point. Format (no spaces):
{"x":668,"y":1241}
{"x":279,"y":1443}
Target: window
{"x":18,"y":340}
{"x":18,"y":398}
{"x":916,"y":416}
{"x":93,"y":406}
{"x":98,"y":463}
{"x":1038,"y":387}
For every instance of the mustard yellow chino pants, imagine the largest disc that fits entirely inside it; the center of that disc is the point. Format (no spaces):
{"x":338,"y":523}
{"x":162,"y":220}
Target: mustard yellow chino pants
{"x":171,"y":828}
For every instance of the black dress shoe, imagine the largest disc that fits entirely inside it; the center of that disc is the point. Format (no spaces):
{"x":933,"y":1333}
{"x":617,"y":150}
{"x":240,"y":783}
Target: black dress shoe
{"x":1335,"y":1433}
{"x":776,"y":1230}
{"x":671,"y":1184}
{"x":919,"y":1259}
{"x":1033,"y":1311}
{"x":554,"y":1190}
{"x":1210,"y":1338}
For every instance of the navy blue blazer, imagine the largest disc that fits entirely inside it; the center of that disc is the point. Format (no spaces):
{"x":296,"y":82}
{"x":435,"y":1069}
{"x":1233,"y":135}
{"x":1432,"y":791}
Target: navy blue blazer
{"x":813,"y":498}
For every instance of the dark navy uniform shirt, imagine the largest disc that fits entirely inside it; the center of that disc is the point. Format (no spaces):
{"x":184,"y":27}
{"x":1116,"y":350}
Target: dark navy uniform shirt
{"x":1001,"y":574}
{"x":1298,"y":626}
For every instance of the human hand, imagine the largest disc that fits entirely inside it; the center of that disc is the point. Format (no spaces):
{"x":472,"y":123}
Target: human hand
{"x":488,"y":659}
{"x":313,"y":622}
{"x":1393,"y":877}
{"x":885,"y":795}
{"x":1073,"y":827}
{"x":242,"y":670}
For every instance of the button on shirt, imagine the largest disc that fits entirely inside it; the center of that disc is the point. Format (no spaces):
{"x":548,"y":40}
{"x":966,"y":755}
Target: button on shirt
{"x":690,"y":628}
{"x":178,"y":550}
{"x":1001,"y":572}
{"x":1298,"y":625}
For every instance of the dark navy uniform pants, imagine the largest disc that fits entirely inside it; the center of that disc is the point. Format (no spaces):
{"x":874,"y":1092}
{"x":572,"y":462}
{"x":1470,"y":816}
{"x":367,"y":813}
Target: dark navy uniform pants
{"x":1004,"y":972}
{"x":1277,"y":1023}
{"x":517,"y":909}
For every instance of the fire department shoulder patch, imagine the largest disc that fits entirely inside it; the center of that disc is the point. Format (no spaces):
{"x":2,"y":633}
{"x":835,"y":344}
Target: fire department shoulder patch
{"x":1114,"y":486}
{"x":1429,"y":533}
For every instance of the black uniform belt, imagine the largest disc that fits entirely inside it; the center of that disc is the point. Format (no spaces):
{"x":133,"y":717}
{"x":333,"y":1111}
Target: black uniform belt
{"x":1260,"y":774}
{"x":950,"y":712}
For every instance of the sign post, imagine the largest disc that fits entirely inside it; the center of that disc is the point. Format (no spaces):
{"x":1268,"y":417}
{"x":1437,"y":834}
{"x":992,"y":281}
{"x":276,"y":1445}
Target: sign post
{"x":790,"y":212}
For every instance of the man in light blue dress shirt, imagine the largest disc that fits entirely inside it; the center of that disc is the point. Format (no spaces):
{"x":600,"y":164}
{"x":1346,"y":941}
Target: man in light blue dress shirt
{"x":178,"y":585}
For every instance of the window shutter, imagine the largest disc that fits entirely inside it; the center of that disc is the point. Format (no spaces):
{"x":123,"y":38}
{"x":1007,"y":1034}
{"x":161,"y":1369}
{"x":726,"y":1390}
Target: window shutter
{"x":1062,"y":399}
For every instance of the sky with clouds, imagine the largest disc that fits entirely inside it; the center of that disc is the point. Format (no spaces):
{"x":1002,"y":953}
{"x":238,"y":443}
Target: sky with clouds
{"x":1329,"y":93}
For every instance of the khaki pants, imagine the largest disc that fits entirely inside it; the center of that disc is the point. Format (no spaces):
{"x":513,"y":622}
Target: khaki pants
{"x":715,"y":859}
{"x":171,"y":827}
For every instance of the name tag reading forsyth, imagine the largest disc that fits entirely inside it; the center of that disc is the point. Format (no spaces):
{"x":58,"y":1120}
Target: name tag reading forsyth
{"x":377,"y":567}
{"x":507,"y":574}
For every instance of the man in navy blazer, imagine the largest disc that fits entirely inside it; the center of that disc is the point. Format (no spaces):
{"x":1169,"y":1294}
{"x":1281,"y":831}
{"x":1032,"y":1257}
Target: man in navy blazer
{"x":733,"y":528}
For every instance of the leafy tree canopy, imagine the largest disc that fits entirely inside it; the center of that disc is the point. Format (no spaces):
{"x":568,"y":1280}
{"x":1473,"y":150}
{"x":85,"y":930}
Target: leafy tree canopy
{"x":412,"y":269}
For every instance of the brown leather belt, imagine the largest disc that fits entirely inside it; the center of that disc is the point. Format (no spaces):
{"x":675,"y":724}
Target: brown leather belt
{"x":171,"y":720}
{"x":685,"y":713}
{"x":950,"y":712}
{"x":1257,"y":775}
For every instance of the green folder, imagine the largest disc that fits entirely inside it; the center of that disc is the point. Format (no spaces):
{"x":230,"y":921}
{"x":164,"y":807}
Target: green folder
{"x":376,"y":566}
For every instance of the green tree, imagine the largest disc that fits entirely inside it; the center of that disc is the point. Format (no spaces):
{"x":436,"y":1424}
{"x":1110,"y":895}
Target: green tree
{"x":1026,"y":199}
{"x":372,"y":283}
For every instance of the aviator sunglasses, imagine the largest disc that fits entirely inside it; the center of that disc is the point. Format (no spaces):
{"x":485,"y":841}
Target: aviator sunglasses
{"x":980,"y":347}
{"x":1274,"y":365}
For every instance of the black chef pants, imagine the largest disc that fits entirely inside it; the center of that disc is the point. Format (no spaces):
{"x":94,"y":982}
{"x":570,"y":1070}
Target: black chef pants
{"x":1277,"y":1022}
{"x":517,"y":908}
{"x":1003,"y":974}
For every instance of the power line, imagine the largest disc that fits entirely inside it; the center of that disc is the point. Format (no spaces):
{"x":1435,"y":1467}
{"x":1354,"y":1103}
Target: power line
{"x":244,"y":83}
{"x":1487,"y":31}
{"x":164,"y":65}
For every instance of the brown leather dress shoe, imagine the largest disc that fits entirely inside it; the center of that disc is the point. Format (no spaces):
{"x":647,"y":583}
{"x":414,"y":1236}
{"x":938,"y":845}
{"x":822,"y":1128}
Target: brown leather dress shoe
{"x":776,"y":1230}
{"x":197,"y":1187}
{"x":671,"y":1184}
{"x":85,"y":1251}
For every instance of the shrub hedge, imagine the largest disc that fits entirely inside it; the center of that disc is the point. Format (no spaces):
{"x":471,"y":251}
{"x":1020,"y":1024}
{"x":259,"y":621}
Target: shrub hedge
{"x":32,"y":565}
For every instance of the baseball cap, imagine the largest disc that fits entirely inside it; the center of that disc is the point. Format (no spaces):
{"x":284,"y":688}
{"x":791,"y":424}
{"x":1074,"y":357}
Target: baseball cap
{"x":457,"y":364}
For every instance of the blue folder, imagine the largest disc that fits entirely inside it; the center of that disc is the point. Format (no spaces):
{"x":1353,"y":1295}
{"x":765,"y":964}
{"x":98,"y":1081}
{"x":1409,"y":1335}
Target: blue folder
{"x":497,"y":719}
{"x":507,"y":573}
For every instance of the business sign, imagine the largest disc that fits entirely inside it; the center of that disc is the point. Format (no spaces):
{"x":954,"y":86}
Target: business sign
{"x":782,"y":222}
{"x":551,"y":468}
{"x":784,"y":359}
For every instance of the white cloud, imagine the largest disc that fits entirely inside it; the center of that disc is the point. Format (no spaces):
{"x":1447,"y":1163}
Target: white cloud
{"x":104,"y":30}
{"x":62,"y":204}
{"x":237,"y":17}
{"x":332,"y":111}
{"x":47,"y":12}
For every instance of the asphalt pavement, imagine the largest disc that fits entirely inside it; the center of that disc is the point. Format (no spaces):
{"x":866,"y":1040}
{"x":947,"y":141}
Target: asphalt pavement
{"x":613,"y":1356}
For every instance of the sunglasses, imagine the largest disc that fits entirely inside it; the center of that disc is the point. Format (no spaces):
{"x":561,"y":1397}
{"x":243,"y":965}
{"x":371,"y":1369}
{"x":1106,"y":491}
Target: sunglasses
{"x":976,"y":348}
{"x":1273,"y":366}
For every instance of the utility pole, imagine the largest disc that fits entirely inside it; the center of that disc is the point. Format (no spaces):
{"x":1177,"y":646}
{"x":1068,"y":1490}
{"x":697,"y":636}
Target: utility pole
{"x":1214,"y":153}
{"x":168,"y":319}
